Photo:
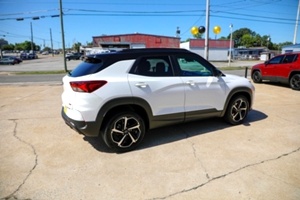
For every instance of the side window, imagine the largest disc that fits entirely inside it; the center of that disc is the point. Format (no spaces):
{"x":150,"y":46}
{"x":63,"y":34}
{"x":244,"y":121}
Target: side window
{"x":154,"y":66}
{"x":276,"y":60}
{"x":289,"y":58}
{"x":193,"y":66}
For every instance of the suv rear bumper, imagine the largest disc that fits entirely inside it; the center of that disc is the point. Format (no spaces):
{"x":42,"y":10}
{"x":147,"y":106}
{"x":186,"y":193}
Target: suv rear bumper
{"x":90,"y":129}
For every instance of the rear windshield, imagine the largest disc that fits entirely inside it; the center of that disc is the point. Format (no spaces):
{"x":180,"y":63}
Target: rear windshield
{"x":88,"y":66}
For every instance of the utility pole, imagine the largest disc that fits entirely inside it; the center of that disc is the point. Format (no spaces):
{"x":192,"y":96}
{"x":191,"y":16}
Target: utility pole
{"x":230,"y":45}
{"x":206,"y":45}
{"x":51,"y":42}
{"x":31,"y":37}
{"x":296,"y":26}
{"x":62,"y":35}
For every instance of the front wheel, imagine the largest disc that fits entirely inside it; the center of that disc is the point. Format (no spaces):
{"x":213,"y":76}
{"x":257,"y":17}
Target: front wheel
{"x":295,"y":82}
{"x":124,"y":131}
{"x":256,"y":77}
{"x":237,"y":110}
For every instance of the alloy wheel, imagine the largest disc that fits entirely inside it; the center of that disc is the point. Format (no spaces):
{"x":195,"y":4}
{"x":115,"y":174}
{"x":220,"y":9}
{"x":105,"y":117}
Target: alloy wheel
{"x":125,"y":132}
{"x":295,"y":82}
{"x":239,"y":110}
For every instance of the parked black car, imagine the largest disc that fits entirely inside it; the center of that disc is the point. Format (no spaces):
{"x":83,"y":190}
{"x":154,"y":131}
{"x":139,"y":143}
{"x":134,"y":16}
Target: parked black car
{"x":25,"y":56}
{"x":73,"y":56}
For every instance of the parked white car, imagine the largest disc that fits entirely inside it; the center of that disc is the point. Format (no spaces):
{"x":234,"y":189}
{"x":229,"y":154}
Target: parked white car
{"x":121,"y":95}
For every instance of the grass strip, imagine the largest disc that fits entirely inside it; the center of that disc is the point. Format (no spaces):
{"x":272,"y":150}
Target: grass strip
{"x":40,"y":72}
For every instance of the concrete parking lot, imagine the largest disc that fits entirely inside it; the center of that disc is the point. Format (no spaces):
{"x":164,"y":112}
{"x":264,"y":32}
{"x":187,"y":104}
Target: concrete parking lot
{"x":41,"y":158}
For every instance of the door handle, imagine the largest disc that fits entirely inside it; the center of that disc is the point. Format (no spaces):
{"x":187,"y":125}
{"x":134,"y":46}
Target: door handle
{"x":141,"y":85}
{"x":192,"y":83}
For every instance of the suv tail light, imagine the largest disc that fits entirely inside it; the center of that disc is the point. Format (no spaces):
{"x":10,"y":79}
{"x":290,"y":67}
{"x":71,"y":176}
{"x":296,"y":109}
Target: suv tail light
{"x":87,"y":86}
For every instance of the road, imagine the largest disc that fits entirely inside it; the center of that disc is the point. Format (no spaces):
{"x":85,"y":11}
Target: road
{"x":15,"y":79}
{"x":49,"y":63}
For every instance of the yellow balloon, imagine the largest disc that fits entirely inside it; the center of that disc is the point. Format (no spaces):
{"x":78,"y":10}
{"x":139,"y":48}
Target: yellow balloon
{"x":194,"y":30}
{"x":217,"y":30}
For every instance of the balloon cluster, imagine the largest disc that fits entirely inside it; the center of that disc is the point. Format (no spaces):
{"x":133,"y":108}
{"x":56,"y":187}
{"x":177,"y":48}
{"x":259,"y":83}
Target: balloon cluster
{"x":201,"y":29}
{"x":196,"y":30}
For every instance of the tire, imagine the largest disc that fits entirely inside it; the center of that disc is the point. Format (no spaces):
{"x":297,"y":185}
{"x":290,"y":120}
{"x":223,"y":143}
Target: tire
{"x":295,"y":82}
{"x":237,"y":110}
{"x":256,"y":77}
{"x":124,"y":131}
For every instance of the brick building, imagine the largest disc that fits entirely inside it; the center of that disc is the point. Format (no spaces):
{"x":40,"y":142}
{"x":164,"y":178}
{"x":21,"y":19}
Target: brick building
{"x":136,"y":40}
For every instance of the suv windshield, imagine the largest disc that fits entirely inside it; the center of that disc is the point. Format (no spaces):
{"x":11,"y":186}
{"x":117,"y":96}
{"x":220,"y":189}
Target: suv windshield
{"x":88,"y":66}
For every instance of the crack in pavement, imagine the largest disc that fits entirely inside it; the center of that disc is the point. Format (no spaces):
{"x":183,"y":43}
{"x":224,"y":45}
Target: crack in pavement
{"x":224,"y":175}
{"x":195,"y":153}
{"x":12,"y":195}
{"x":199,"y":160}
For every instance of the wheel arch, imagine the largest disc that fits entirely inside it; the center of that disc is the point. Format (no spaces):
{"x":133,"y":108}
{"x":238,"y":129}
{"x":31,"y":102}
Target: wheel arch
{"x":255,"y":70}
{"x":293,"y":73}
{"x":245,"y":91}
{"x":138,"y":105}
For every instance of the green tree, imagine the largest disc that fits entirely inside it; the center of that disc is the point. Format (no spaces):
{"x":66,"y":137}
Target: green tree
{"x":198,"y":36}
{"x":89,"y":44}
{"x":285,"y":44}
{"x":238,"y":34}
{"x":47,"y":49}
{"x":9,"y":47}
{"x":76,"y":46}
{"x":223,"y":38}
{"x":26,"y":46}
{"x":247,"y":40}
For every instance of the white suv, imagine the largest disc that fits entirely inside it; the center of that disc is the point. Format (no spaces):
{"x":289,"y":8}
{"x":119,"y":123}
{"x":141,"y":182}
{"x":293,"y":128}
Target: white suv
{"x":121,"y":95}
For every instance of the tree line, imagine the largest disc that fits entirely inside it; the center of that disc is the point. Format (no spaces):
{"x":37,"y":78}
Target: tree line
{"x":242,"y":37}
{"x":26,"y":46}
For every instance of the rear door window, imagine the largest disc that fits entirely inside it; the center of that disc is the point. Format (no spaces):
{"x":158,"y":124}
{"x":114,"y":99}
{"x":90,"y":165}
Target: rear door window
{"x":88,"y":66}
{"x":154,"y":66}
{"x":290,"y":58}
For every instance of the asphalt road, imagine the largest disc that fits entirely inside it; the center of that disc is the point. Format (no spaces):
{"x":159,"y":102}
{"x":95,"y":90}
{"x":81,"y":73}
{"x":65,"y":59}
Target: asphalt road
{"x":16,"y":79}
{"x":49,"y":63}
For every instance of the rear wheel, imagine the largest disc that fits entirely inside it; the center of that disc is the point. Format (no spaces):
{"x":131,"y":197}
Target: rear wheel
{"x":237,"y":110}
{"x":295,"y":82}
{"x":124,"y":131}
{"x":256,"y":77}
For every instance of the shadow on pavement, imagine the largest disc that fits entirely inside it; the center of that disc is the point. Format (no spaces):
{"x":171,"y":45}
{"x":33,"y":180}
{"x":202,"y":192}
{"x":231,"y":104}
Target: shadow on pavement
{"x":276,"y":84}
{"x":178,"y":132}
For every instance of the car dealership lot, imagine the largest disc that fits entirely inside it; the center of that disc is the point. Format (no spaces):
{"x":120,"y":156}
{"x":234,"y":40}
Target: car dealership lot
{"x":41,"y":158}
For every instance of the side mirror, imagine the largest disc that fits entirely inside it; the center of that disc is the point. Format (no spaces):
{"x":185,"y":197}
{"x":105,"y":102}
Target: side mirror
{"x":266,"y":62}
{"x":218,"y":73}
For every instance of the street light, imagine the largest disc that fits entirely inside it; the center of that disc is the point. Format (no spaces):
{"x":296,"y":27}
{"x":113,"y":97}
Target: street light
{"x":230,"y":45}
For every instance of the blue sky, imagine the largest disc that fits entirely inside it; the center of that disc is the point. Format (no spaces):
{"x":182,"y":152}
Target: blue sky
{"x":84,"y":19}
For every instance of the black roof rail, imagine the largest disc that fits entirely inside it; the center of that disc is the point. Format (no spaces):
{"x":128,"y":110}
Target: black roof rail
{"x":154,"y":50}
